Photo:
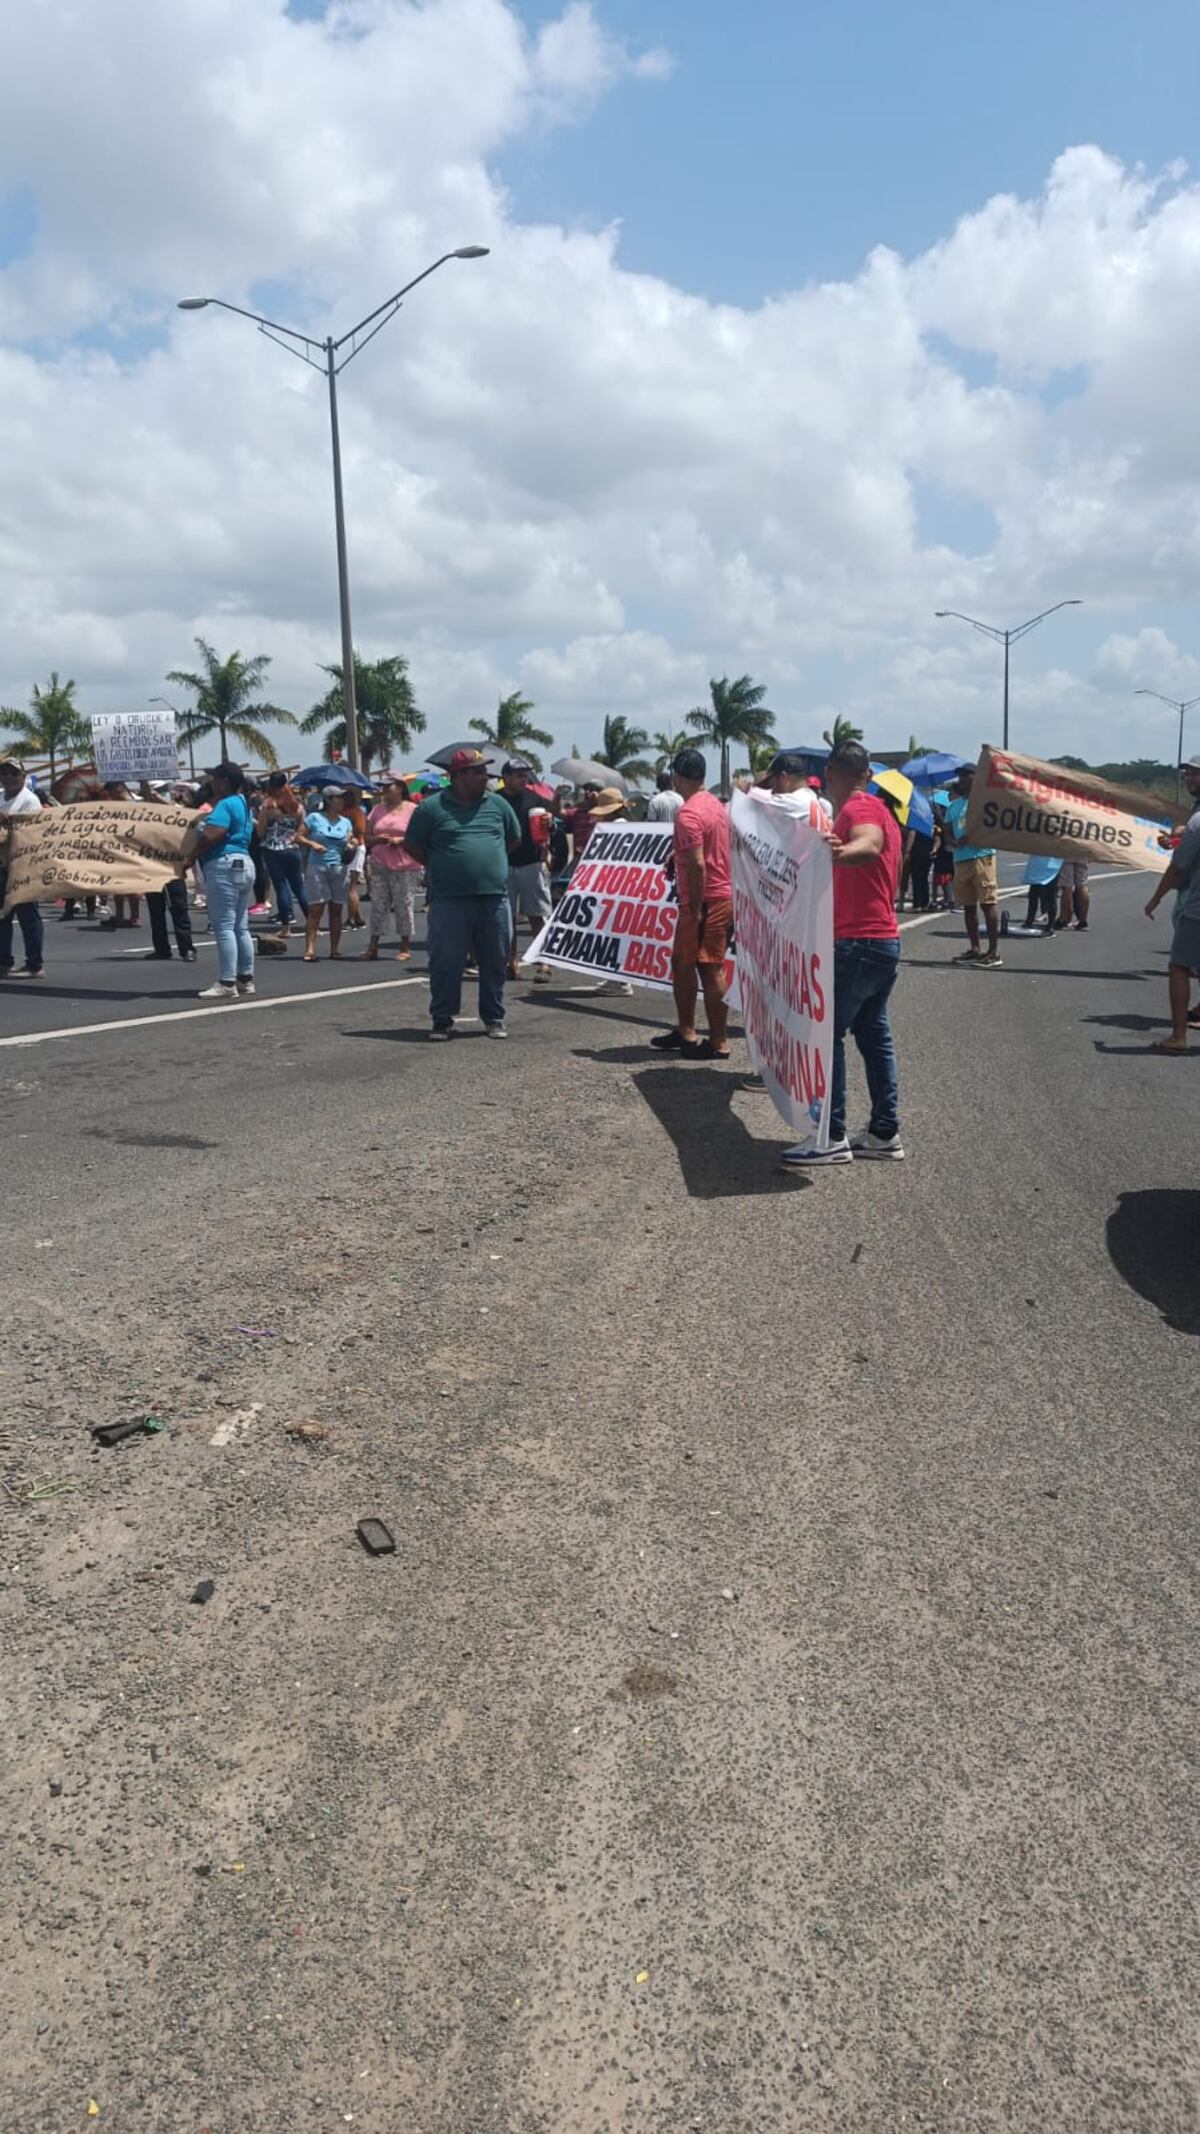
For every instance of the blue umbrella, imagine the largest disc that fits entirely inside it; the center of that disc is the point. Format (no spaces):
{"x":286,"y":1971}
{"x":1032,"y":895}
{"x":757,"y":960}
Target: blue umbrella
{"x":325,"y":774}
{"x":936,"y":768}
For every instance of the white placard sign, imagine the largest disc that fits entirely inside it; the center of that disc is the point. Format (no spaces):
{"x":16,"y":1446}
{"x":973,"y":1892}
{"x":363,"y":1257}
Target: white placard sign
{"x":132,"y":745}
{"x":783,"y":917}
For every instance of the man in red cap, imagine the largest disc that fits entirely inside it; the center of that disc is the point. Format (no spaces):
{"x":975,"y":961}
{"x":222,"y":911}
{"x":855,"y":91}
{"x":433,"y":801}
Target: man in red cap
{"x":463,"y":836}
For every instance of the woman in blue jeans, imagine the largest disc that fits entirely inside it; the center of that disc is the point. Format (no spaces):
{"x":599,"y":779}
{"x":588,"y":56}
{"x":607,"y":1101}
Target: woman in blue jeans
{"x":281,"y":817}
{"x":222,"y":844}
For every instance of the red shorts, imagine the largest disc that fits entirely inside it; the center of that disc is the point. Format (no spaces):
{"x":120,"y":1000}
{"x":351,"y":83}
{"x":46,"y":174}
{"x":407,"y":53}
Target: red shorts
{"x":703,"y":936}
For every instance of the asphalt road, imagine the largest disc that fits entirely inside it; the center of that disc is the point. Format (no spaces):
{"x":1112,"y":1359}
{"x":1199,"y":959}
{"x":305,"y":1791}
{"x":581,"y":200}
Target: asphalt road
{"x":779,"y":1711}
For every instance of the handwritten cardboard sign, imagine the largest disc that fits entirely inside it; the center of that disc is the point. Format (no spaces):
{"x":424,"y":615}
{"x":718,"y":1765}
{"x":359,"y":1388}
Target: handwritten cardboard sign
{"x":98,"y":848}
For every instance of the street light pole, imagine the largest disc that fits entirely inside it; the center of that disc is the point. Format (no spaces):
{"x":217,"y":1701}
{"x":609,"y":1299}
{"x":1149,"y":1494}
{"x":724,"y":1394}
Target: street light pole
{"x":1005,"y":637}
{"x":191,"y":744}
{"x":1182,"y":705}
{"x":330,"y":351}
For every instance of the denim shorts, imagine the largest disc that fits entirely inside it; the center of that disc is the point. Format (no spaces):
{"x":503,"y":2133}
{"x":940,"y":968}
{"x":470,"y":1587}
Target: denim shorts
{"x":325,"y":885}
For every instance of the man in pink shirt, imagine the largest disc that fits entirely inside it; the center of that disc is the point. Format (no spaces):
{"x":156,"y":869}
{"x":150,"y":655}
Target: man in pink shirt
{"x":704,"y":887}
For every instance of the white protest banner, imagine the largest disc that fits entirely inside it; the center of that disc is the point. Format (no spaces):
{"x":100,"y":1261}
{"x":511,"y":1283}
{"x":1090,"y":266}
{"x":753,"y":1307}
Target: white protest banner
{"x":617,"y":919}
{"x":783,"y":923}
{"x":132,"y":745}
{"x":1023,"y":805}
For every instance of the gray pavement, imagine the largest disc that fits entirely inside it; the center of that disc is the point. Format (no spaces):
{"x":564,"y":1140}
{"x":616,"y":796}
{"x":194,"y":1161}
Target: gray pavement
{"x":780,"y":1709}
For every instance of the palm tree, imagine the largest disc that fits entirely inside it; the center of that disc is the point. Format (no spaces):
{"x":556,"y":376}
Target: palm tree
{"x":52,"y":726}
{"x":223,"y":690}
{"x":915,"y":748}
{"x":622,"y":750}
{"x":388,"y":717}
{"x":842,"y":731}
{"x":667,"y":746}
{"x":737,"y":713}
{"x":761,"y":753}
{"x":511,"y":730}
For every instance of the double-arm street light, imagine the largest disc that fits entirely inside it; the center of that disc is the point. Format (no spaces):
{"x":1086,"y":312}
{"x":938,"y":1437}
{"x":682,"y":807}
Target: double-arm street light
{"x":1006,"y":637}
{"x":332,"y":362}
{"x":1182,"y":705}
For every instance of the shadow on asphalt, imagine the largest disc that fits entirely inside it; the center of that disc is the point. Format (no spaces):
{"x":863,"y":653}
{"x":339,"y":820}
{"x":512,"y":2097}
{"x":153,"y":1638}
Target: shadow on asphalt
{"x":719,"y":1159}
{"x":1130,"y":1022}
{"x":42,"y":991}
{"x":1136,"y":1052}
{"x":1154,"y":1244}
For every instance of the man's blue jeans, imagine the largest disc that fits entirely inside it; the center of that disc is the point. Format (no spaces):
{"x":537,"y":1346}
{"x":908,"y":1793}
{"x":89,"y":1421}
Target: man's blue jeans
{"x":456,"y":926}
{"x":33,"y":933}
{"x":864,"y":973}
{"x":286,"y":869}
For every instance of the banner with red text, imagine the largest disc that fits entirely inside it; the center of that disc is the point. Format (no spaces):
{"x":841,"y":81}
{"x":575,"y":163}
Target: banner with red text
{"x":617,"y":918}
{"x":1024,"y":805}
{"x":783,"y":922}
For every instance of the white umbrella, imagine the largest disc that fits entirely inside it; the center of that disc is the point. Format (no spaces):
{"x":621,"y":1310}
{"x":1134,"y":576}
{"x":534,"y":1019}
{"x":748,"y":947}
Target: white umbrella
{"x":582,"y":770}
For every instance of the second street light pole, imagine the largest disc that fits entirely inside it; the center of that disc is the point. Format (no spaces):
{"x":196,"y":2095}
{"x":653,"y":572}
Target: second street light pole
{"x":303,"y":345}
{"x":1005,"y":637}
{"x":1182,"y":705}
{"x":349,"y":694}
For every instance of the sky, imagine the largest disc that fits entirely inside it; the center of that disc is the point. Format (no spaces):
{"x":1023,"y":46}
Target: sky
{"x":797,"y":325}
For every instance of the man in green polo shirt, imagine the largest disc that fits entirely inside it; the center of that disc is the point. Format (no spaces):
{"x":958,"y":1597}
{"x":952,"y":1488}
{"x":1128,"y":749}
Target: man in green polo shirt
{"x":462,"y":837}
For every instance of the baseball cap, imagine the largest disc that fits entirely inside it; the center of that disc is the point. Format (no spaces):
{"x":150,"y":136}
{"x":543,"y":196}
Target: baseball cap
{"x":517,"y":763}
{"x":607,"y":802}
{"x":468,"y":759}
{"x":1192,"y":764}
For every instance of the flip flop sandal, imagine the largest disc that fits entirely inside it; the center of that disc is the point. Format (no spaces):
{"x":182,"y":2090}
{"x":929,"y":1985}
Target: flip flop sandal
{"x":1168,"y":1045}
{"x":708,"y":1051}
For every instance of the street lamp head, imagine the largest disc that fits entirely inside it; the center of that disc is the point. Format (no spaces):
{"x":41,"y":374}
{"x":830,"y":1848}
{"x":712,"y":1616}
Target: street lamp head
{"x":940,"y":614}
{"x":192,"y":303}
{"x":471,"y":252}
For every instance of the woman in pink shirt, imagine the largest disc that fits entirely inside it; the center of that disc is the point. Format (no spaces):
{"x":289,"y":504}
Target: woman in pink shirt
{"x":395,"y":876}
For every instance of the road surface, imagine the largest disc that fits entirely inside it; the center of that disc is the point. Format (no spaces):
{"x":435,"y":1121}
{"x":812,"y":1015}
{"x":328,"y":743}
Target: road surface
{"x":779,"y":1710}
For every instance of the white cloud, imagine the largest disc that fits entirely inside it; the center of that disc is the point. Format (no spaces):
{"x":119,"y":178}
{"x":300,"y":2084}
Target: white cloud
{"x":557,"y":472}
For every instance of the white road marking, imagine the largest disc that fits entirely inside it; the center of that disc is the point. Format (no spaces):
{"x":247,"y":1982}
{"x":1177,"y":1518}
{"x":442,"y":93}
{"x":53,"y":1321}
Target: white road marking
{"x":232,"y":1007}
{"x":391,"y":985}
{"x":1021,"y":889}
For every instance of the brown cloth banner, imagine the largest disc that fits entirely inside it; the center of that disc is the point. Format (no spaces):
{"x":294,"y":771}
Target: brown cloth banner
{"x":99,"y":848}
{"x":1023,"y":805}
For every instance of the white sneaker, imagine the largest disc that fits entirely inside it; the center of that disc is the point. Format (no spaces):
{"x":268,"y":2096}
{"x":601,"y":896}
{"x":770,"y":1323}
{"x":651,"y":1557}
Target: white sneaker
{"x":806,"y":1156}
{"x":617,"y":986}
{"x":245,"y":988}
{"x":991,"y":962}
{"x":873,"y":1145}
{"x":494,"y":1030}
{"x":218,"y":992}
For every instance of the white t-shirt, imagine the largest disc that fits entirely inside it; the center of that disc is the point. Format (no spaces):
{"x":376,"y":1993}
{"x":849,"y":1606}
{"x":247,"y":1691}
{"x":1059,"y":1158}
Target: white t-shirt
{"x":664,"y":807}
{"x":25,"y":802}
{"x":810,"y":807}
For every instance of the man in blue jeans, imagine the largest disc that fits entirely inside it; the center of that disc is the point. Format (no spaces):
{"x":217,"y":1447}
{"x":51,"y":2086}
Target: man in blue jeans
{"x":463,"y":836}
{"x":866,"y":847}
{"x":18,"y":798}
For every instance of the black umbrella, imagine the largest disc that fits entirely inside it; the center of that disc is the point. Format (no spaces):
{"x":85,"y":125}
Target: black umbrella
{"x":495,"y":758}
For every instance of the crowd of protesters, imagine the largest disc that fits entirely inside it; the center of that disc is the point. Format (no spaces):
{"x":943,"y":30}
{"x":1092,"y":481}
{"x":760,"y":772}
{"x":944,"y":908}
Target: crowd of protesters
{"x":477,"y":858}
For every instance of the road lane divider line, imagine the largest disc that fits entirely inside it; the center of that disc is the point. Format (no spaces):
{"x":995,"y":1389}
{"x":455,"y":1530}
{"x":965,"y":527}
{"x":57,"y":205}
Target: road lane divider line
{"x":391,"y":985}
{"x":224,"y":1007}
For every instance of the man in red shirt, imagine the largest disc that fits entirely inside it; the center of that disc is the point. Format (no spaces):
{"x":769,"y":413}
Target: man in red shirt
{"x":704,"y":887}
{"x":866,"y":958}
